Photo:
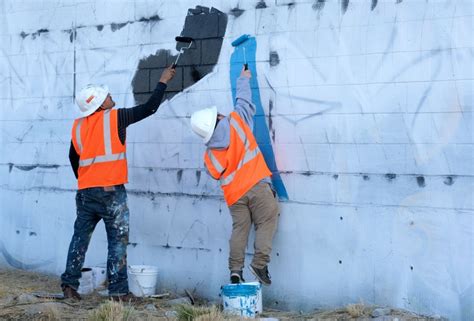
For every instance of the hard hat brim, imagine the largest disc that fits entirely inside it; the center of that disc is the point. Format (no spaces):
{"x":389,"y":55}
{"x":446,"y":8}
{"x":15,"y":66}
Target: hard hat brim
{"x":87,"y":113}
{"x":214,"y":120}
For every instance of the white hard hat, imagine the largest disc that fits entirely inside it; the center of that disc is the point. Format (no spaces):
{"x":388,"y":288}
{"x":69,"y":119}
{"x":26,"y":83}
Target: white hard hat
{"x":90,"y":98}
{"x":203,"y":122}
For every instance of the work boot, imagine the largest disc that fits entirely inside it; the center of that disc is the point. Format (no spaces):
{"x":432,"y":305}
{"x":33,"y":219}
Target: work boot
{"x":125,"y":298}
{"x":262,"y":274}
{"x":70,"y":293}
{"x":236,"y":277}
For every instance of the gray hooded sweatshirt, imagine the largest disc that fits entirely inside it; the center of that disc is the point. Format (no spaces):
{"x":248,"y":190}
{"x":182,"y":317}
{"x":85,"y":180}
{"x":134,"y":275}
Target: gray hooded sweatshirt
{"x":220,"y":139}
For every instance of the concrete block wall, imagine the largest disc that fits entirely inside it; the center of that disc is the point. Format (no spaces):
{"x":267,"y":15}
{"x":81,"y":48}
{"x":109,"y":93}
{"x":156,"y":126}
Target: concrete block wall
{"x":368,"y":113}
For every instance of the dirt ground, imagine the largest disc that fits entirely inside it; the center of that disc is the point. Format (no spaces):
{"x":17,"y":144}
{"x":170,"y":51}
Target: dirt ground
{"x":18,"y":302}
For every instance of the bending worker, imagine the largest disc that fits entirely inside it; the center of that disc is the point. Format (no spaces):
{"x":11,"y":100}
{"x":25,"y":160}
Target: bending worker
{"x":233,"y":157}
{"x":98,"y":159}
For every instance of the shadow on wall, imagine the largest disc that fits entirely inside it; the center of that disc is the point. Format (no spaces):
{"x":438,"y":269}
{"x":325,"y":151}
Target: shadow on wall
{"x":207,"y":27}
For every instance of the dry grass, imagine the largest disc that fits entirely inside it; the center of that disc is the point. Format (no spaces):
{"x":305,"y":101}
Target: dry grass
{"x":358,"y":310}
{"x":193,"y":313}
{"x":51,"y":313}
{"x":112,"y":311}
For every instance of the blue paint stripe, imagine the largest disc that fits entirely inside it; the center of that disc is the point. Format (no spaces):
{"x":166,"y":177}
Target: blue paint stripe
{"x":260,"y":130}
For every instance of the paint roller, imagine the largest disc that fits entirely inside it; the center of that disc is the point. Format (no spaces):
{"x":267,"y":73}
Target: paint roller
{"x":182,"y":49}
{"x":238,"y":42}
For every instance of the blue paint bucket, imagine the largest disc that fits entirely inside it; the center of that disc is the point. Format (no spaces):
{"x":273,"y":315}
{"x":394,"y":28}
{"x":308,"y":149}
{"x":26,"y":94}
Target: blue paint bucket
{"x":244,"y":299}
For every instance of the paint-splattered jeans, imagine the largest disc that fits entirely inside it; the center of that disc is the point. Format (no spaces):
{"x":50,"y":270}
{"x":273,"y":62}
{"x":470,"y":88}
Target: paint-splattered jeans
{"x":94,"y":204}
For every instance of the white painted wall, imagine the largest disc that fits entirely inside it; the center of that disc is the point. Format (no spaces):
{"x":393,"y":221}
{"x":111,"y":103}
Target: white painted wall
{"x":399,"y":78}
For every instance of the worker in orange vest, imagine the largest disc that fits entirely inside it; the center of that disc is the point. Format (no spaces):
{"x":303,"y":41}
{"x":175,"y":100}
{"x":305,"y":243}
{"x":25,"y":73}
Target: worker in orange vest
{"x":99,"y":161}
{"x":234,"y":158}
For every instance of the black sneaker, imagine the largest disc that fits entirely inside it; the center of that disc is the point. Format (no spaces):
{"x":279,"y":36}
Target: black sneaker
{"x":262,"y":274}
{"x":236,"y":277}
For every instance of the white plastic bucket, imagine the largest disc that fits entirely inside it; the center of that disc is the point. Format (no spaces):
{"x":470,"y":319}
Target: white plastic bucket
{"x":142,"y":279}
{"x":244,"y":299}
{"x":99,"y":276}
{"x":259,"y":296}
{"x":86,"y":283}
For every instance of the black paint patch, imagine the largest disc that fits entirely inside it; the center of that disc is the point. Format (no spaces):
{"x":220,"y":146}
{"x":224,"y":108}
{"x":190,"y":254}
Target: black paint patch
{"x":270,"y":119}
{"x":335,"y":176}
{"x":179,"y":175}
{"x":261,"y":5}
{"x":366,"y":177}
{"x":195,"y":74}
{"x":390,"y":176}
{"x":291,"y":5}
{"x":449,"y":180}
{"x":167,"y":246}
{"x":72,"y":34}
{"x":236,"y":12}
{"x":319,"y":5}
{"x":307,"y":173}
{"x":421,"y":181}
{"x":31,"y":167}
{"x":132,"y":244}
{"x":198,"y":10}
{"x":117,"y":26}
{"x":154,"y":18}
{"x":26,"y":167}
{"x":274,"y":58}
{"x":33,"y":234}
{"x":99,"y":27}
{"x":207,"y":28}
{"x":374,"y":4}
{"x":198,"y":177}
{"x":24,"y":34}
{"x":399,"y":1}
{"x":344,"y":5}
{"x":38,"y":33}
{"x":10,"y":167}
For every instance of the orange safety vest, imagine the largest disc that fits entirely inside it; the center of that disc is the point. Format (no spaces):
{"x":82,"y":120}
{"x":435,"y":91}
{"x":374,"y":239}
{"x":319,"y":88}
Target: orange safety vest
{"x":102,"y":156}
{"x":241,"y":165}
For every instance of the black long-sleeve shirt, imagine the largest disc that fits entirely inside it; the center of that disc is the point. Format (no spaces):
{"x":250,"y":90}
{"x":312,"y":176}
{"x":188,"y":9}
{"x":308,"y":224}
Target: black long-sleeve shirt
{"x":126,"y":117}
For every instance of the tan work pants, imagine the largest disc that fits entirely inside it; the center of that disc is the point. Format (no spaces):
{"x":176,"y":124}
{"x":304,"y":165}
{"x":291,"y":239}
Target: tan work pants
{"x":260,"y":207}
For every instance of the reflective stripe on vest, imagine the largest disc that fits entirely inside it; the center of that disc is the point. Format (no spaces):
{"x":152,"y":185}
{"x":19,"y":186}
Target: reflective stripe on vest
{"x":102,"y":159}
{"x":78,"y":134}
{"x":107,"y":140}
{"x":109,"y":156}
{"x":215,"y":162}
{"x":249,"y":154}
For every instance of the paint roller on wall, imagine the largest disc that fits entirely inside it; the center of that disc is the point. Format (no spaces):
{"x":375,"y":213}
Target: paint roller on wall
{"x":237,"y":42}
{"x":188,"y":40}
